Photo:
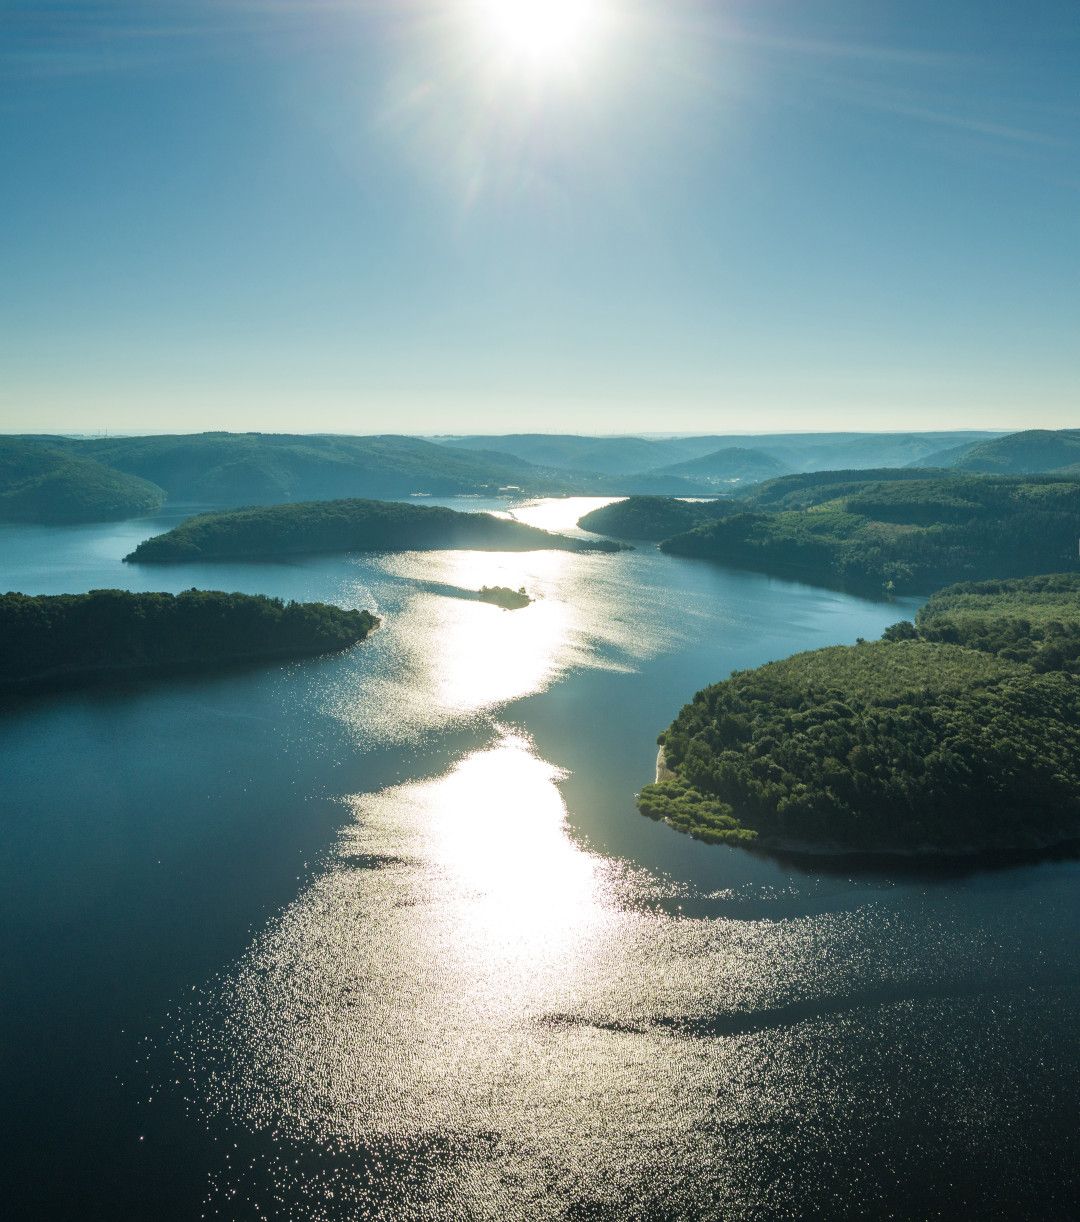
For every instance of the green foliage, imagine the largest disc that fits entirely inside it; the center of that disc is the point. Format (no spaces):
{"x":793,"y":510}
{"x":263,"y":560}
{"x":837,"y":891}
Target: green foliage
{"x":40,"y":483}
{"x":503,"y":596}
{"x":703,"y":817}
{"x":653,"y":517}
{"x":347,"y":526}
{"x":83,"y":637}
{"x":909,"y":535}
{"x":817,"y":487}
{"x":1034,"y":620}
{"x":901,"y":745}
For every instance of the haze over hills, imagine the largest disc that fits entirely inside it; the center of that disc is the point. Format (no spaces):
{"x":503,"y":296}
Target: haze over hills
{"x":795,"y":451}
{"x":44,"y":483}
{"x":47,"y":479}
{"x":1026,"y":453}
{"x":263,"y":468}
{"x":728,"y":466}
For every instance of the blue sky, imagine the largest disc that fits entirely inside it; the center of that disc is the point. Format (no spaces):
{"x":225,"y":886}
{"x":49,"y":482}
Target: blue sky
{"x":359,"y":217}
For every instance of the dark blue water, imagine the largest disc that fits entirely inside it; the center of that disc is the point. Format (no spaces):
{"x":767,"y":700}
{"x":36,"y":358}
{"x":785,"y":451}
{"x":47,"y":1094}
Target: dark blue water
{"x":382,"y":935}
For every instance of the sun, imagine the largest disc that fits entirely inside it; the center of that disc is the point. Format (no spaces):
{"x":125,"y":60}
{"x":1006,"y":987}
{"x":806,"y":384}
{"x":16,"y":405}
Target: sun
{"x":540,"y":34}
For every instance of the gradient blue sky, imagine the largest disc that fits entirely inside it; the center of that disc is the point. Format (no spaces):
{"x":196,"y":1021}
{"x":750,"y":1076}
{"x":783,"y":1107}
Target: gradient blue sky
{"x":762,"y":214}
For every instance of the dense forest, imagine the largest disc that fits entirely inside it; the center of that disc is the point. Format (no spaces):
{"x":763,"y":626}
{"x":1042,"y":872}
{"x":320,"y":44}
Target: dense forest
{"x":818,"y":487}
{"x":901,"y":745}
{"x":1033,"y":619}
{"x":264,"y":468}
{"x":347,"y":526}
{"x":910,"y":535}
{"x":40,"y":483}
{"x":80,"y":638}
{"x":653,"y":518}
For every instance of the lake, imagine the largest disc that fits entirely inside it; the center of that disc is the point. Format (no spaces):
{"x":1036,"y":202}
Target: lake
{"x":382,"y":935}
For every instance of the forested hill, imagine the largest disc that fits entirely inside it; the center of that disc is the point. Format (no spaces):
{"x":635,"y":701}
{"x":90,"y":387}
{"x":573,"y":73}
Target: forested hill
{"x":97,"y":478}
{"x":905,"y":745}
{"x":106,"y":634}
{"x":910,"y":535}
{"x":791,"y":451}
{"x":264,"y":468}
{"x":41,"y":483}
{"x":728,"y":466}
{"x":1032,"y":451}
{"x":347,"y":526}
{"x":653,"y":518}
{"x":816,"y":487}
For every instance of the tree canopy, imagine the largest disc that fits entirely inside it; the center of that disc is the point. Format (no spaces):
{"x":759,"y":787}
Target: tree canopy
{"x":347,"y":526}
{"x":653,"y":518}
{"x":911,"y":535}
{"x":958,"y":735}
{"x":40,"y":483}
{"x":79,"y":638}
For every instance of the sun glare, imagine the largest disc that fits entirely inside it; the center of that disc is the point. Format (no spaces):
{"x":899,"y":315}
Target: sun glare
{"x":548,"y":34}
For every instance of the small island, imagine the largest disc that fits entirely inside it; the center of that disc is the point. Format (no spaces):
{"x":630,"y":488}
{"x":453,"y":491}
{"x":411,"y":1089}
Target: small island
{"x":309,"y":528}
{"x":72,"y":639}
{"x":956,"y":735}
{"x":503,"y":596}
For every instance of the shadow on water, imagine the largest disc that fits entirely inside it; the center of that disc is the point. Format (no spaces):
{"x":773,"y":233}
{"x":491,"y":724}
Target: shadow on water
{"x":928,"y":868}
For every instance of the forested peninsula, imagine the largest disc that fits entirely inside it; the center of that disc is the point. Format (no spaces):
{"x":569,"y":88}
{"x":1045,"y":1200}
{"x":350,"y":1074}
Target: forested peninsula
{"x":910,"y":535}
{"x":958,"y":734}
{"x":654,"y":518}
{"x":909,"y":531}
{"x":71,"y":639}
{"x":276,"y":531}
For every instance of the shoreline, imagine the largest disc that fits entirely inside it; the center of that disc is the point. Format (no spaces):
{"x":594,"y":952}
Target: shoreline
{"x":803,"y":850}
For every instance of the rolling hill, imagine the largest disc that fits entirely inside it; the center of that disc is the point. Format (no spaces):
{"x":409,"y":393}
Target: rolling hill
{"x":44,"y":484}
{"x":1034,"y":451}
{"x":727,"y":466}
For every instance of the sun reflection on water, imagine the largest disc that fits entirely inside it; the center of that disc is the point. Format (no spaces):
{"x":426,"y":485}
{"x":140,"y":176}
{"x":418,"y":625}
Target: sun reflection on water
{"x":499,"y":1023}
{"x":445,"y":658}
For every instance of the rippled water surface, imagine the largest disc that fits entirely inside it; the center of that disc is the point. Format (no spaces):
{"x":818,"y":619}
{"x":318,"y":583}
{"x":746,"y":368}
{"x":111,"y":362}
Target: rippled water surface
{"x":382,"y":935}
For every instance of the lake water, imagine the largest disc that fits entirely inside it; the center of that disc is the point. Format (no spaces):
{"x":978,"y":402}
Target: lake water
{"x":382,"y":935}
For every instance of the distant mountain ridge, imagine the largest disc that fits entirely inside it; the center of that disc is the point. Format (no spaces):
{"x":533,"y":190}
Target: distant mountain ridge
{"x":1032,"y":452}
{"x":53,"y":478}
{"x":654,"y":455}
{"x":727,"y":466}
